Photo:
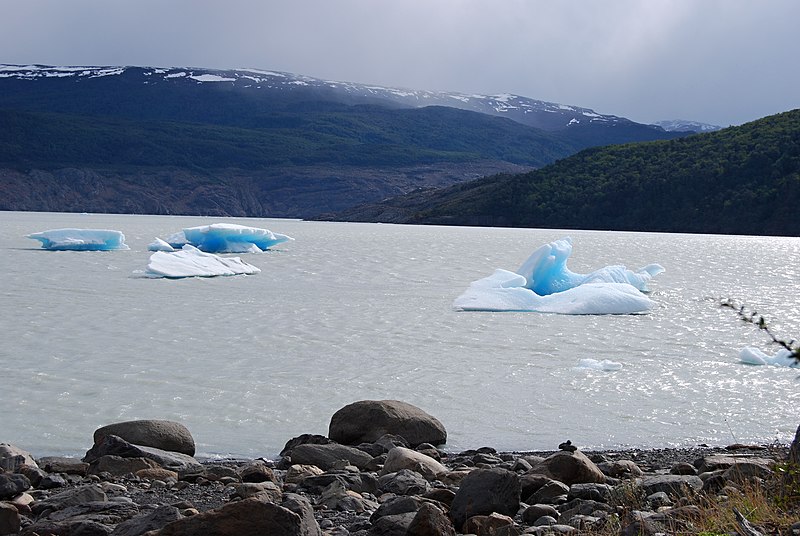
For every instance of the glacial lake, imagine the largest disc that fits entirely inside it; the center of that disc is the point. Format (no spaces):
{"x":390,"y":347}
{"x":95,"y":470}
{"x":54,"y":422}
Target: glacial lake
{"x":364,"y":311}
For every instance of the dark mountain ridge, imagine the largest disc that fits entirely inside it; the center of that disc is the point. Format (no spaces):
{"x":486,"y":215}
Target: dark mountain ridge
{"x":740,"y":180}
{"x":291,"y":146}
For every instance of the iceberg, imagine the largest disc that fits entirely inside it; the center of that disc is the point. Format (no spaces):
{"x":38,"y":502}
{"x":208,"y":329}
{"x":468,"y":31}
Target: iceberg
{"x":159,"y":245}
{"x":606,"y":365}
{"x":80,"y":239}
{"x":544,"y":284}
{"x":222,"y":238}
{"x":754,"y":356}
{"x":191,"y":262}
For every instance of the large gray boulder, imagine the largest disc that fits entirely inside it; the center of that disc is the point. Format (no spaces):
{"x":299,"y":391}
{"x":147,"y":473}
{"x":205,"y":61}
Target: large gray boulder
{"x":164,"y":435}
{"x":485,"y":491}
{"x":367,"y":421}
{"x":570,"y":468}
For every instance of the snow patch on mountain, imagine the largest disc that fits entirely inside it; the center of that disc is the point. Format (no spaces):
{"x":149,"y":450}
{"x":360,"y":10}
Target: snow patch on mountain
{"x":682,"y":125}
{"x":532,"y":112}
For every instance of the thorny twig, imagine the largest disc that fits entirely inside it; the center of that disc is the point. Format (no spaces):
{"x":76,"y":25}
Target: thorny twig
{"x":759,"y":321}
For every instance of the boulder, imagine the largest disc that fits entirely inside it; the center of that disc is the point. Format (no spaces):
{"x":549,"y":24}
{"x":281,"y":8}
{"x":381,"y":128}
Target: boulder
{"x":11,"y":457}
{"x":404,"y":482}
{"x":71,"y":497}
{"x":430,"y":521}
{"x":367,"y":421}
{"x":403,"y":458}
{"x":163,"y":435}
{"x":392,"y":525}
{"x":358,"y":482}
{"x":304,"y":439}
{"x":68,"y":527}
{"x":726,"y":461}
{"x":116,"y":446}
{"x":396,"y":505}
{"x":303,"y":508}
{"x":326,"y":456}
{"x":554,"y":492}
{"x":61,"y":464}
{"x":485,"y":491}
{"x":537,"y":511}
{"x":266,"y":491}
{"x":257,"y":471}
{"x":620,"y":469}
{"x":9,"y":519}
{"x":157,"y":473}
{"x":119,"y":466}
{"x":570,"y":468}
{"x":12,"y":484}
{"x":153,"y":520}
{"x":672,"y":485}
{"x":488,"y":525}
{"x":593,"y":492}
{"x":248,"y":516}
{"x":297,"y":473}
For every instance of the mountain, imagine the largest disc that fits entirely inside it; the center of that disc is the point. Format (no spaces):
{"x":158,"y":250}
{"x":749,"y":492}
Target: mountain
{"x":262,"y":143}
{"x":682,"y":125}
{"x":739,"y":180}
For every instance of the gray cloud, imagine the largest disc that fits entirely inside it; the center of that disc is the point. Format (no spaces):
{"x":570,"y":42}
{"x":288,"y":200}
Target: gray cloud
{"x":719,"y":61}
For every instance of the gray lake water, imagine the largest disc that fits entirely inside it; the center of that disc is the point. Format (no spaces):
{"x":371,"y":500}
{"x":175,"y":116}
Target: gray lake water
{"x":363,"y":311}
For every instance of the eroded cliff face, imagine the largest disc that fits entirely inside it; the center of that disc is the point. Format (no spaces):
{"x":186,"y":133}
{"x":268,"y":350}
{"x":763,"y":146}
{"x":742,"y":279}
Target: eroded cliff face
{"x":299,"y":192}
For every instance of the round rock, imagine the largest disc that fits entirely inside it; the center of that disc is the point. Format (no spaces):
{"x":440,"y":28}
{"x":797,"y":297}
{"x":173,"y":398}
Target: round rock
{"x":367,"y":421}
{"x":165,"y":435}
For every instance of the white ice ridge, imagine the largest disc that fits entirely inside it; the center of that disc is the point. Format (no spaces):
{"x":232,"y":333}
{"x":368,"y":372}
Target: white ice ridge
{"x":544,"y":284}
{"x":80,"y":239}
{"x":222,"y":238}
{"x":191,"y":262}
{"x":781,"y":358}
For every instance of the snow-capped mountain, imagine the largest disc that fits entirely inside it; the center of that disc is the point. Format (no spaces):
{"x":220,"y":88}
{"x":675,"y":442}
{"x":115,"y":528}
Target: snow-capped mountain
{"x":683,"y":125}
{"x":540,"y":114}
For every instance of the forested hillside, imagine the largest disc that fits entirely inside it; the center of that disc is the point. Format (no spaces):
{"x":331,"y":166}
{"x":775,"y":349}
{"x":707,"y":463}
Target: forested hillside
{"x":740,"y":180}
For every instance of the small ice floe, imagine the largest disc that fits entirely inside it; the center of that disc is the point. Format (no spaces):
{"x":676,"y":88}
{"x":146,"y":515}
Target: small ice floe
{"x":159,"y":245}
{"x":544,"y":284}
{"x":754,"y":356}
{"x":72,"y":239}
{"x":191,"y":262}
{"x":605,"y":365}
{"x":223,"y":238}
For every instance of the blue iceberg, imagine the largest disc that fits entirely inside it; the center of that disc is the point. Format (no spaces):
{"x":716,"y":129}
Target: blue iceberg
{"x":544,"y":284}
{"x":80,"y":239}
{"x":222,"y":238}
{"x":191,"y":262}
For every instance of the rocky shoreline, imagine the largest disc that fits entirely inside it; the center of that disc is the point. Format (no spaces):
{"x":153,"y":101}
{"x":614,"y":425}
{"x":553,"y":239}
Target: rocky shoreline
{"x":367,"y":479}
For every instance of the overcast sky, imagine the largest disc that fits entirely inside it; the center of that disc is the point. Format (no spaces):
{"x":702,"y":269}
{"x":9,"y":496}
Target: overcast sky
{"x":724,"y":62}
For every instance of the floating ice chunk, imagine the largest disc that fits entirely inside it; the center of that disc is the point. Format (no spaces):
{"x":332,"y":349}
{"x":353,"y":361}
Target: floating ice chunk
{"x":159,"y":245}
{"x":546,"y":271}
{"x":226,"y":238}
{"x":191,"y":262}
{"x":606,"y":365}
{"x":544,"y":284}
{"x":754,"y":356}
{"x":80,"y":239}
